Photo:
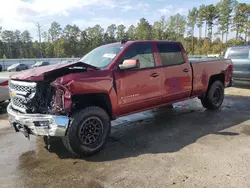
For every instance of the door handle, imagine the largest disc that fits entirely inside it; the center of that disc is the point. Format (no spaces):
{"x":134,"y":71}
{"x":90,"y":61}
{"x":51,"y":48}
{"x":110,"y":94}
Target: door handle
{"x":185,"y":70}
{"x":154,"y":74}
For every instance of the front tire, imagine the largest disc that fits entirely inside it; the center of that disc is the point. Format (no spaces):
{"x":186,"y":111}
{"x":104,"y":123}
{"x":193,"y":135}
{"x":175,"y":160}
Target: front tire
{"x":88,"y":131}
{"x":214,"y":96}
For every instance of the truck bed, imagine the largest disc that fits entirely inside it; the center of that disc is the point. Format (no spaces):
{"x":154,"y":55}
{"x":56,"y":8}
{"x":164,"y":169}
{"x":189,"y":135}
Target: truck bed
{"x":203,"y":70}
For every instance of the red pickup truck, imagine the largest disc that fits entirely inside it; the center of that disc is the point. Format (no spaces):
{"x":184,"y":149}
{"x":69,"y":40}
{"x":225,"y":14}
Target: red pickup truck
{"x":77,"y":101}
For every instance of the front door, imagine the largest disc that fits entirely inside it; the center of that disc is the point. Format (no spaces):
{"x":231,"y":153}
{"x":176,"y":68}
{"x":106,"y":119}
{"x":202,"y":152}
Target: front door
{"x":139,"y":88}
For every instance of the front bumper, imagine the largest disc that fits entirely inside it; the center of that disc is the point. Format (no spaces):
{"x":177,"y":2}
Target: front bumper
{"x":38,"y":124}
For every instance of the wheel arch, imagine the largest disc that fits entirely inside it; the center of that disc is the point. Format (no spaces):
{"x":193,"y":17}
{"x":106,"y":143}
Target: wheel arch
{"x":216,"y":77}
{"x":101,"y":100}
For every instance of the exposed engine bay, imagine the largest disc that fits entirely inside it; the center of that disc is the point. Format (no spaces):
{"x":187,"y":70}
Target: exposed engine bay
{"x":43,"y":97}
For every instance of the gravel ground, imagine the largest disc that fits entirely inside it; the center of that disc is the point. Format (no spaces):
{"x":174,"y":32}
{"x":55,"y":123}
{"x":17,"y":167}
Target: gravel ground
{"x":182,"y":147}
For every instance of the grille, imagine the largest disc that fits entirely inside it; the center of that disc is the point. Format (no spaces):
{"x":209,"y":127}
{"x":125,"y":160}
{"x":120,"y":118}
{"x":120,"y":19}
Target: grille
{"x":19,"y":103}
{"x":24,"y":91}
{"x":21,"y":88}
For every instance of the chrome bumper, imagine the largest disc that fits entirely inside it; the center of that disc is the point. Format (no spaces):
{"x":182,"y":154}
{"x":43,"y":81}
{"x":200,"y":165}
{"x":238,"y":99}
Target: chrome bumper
{"x":39,"y":124}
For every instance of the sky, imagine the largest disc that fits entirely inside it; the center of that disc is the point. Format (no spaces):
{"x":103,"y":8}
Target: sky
{"x":24,"y":14}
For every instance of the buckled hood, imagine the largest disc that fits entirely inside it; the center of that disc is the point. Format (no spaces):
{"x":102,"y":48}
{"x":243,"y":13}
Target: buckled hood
{"x":52,"y":71}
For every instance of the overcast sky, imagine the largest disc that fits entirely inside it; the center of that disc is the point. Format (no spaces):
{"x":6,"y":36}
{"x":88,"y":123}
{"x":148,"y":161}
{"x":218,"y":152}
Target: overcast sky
{"x":23,"y":14}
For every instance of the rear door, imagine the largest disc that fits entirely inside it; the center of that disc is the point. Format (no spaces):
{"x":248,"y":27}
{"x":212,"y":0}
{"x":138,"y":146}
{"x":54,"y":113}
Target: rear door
{"x":241,"y":61}
{"x":140,"y":88}
{"x":177,"y":73}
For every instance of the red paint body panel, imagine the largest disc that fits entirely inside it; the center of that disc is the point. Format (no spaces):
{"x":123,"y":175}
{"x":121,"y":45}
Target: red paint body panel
{"x":202,"y":71}
{"x":137,"y":90}
{"x":99,"y":81}
{"x":38,"y":73}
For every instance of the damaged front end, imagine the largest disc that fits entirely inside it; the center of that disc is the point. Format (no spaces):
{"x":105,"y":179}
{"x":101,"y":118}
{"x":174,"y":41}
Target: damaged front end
{"x":38,"y":108}
{"x":42,"y":107}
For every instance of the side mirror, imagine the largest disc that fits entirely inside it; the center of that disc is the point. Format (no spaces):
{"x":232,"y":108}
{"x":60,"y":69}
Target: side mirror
{"x":129,"y":64}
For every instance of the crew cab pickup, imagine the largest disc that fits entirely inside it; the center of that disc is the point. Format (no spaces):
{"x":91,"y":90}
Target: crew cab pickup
{"x":77,"y":101}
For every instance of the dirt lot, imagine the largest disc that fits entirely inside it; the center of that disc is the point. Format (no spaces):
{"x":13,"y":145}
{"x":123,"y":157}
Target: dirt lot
{"x":182,"y":147}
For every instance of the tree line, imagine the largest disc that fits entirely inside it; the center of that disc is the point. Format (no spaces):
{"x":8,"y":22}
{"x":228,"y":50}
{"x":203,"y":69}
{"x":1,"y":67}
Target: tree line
{"x":215,"y":24}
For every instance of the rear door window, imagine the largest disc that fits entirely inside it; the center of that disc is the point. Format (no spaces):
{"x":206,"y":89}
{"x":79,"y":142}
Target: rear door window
{"x":240,"y":53}
{"x":171,"y":54}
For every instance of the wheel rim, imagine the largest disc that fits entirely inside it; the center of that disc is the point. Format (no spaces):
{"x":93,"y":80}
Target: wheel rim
{"x":217,"y":96}
{"x":90,"y":130}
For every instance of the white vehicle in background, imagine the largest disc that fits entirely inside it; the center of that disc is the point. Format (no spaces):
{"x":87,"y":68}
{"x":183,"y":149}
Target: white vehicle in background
{"x":4,"y":89}
{"x":17,"y":67}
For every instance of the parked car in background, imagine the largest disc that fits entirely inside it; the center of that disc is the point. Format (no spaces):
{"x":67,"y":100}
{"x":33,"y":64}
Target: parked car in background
{"x":17,"y":67}
{"x":76,"y":101}
{"x":4,"y":89}
{"x":240,"y":56}
{"x":64,"y":62}
{"x":40,"y":64}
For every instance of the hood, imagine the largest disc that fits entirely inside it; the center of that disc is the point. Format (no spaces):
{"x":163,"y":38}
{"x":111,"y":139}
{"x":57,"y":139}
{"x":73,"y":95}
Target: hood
{"x":52,"y":72}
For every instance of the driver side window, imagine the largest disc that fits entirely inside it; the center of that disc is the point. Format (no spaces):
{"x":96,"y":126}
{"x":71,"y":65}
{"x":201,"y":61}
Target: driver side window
{"x":143,"y":53}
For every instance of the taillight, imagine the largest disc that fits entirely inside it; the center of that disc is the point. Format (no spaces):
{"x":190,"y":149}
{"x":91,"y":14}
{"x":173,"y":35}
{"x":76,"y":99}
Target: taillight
{"x":6,"y":83}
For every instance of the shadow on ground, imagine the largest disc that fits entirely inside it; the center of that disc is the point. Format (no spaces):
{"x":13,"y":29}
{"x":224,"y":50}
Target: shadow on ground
{"x":168,"y":130}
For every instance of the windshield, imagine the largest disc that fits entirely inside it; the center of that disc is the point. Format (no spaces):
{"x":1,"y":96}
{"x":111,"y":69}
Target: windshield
{"x":241,"y":53}
{"x":14,"y":65}
{"x":102,"y":56}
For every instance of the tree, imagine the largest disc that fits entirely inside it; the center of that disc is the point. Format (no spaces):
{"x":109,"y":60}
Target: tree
{"x":225,"y":8}
{"x":211,"y":15}
{"x":69,"y":44}
{"x":84,"y":43}
{"x":49,"y":49}
{"x":200,"y":22}
{"x":59,"y":50}
{"x":192,"y":18}
{"x":55,"y":31}
{"x":247,"y":25}
{"x":35,"y":49}
{"x":45,"y":37}
{"x":111,"y":33}
{"x":39,"y":33}
{"x":157,"y":31}
{"x":176,"y":27}
{"x":8,"y":37}
{"x":72,"y":41}
{"x":121,"y":34}
{"x":95,"y":36}
{"x":18,"y":44}
{"x":206,"y":46}
{"x":241,"y":20}
{"x":200,"y":19}
{"x":26,"y":44}
{"x":143,"y":31}
{"x":131,"y":32}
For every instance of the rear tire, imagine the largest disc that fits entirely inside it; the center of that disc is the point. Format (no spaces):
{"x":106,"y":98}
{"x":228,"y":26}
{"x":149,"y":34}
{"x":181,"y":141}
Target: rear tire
{"x":87,"y":132}
{"x":214,"y":96}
